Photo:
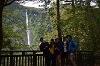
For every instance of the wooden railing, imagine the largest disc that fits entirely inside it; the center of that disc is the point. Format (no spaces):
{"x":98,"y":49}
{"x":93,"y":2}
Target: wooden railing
{"x":35,"y":58}
{"x":21,"y":58}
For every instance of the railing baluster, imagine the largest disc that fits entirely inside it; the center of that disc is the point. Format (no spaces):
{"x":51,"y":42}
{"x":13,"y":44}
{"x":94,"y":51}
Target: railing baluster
{"x":25,"y":60}
{"x":23,"y":54}
{"x":43,"y":61}
{"x":7,"y":61}
{"x":3,"y":61}
{"x":16,"y":60}
{"x":20,"y":61}
{"x":31,"y":60}
{"x":11,"y":59}
{"x":37,"y":60}
{"x":41,"y":64}
{"x":28,"y":60}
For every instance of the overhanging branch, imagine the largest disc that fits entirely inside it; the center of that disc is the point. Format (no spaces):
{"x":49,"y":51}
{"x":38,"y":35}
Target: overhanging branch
{"x":8,"y":2}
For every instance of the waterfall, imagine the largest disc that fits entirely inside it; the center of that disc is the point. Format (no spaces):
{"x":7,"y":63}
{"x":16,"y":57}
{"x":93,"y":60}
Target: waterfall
{"x":27,"y":29}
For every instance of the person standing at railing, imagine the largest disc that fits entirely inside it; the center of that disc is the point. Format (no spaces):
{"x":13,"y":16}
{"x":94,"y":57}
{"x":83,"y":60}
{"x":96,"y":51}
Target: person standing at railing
{"x":58,"y":51}
{"x":44,"y":47}
{"x":71,"y":49}
{"x":52,"y":52}
{"x":64,"y":54}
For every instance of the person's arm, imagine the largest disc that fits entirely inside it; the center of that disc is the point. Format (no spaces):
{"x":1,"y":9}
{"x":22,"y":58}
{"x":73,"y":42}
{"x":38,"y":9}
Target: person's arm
{"x":41,"y":47}
{"x":75,"y":46}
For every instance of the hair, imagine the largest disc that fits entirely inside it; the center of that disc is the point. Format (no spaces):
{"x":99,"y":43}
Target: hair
{"x":69,"y":36}
{"x":56,"y":39}
{"x":52,"y":40}
{"x":41,"y":38}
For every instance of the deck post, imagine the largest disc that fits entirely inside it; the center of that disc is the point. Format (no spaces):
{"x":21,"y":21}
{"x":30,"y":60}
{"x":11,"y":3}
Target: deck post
{"x":34,"y":59}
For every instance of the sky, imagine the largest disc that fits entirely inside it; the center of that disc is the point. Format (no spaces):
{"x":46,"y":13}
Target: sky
{"x":41,"y":4}
{"x":35,"y":4}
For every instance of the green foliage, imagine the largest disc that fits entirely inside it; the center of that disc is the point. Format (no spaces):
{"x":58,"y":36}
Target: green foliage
{"x":13,"y":26}
{"x":82,"y":25}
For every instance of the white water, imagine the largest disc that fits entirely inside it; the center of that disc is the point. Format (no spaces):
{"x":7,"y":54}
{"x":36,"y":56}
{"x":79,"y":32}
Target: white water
{"x":27,"y":29}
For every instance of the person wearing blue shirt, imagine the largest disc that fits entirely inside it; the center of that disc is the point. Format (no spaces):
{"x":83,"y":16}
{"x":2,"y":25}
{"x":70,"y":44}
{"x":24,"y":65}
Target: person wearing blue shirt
{"x":71,"y":49}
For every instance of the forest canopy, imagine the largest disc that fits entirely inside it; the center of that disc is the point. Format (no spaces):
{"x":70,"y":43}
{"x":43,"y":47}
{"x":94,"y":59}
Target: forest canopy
{"x":82,"y":22}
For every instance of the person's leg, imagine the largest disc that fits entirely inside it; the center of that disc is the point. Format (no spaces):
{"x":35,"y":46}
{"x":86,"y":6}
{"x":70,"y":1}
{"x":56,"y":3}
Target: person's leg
{"x":50,"y":59}
{"x":72,"y":59}
{"x":66,"y":59}
{"x":63,"y":59}
{"x":58,"y":61}
{"x":53,"y":60}
{"x":47,"y":60}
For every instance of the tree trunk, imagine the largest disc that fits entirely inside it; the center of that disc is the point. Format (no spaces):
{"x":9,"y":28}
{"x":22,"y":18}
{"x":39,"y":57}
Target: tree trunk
{"x":2,"y":4}
{"x":1,"y":32}
{"x":73,"y":6}
{"x":58,"y":22}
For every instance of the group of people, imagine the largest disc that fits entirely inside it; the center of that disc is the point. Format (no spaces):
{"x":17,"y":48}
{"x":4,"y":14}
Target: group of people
{"x":59,"y":52}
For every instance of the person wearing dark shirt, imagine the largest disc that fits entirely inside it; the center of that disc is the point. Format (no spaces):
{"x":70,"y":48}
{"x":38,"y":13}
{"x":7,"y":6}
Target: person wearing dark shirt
{"x":44,"y":47}
{"x":58,"y":50}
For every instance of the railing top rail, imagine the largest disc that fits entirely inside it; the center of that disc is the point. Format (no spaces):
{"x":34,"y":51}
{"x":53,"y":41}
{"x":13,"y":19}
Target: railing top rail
{"x":21,"y":51}
{"x":21,"y":55}
{"x":35,"y":51}
{"x":78,"y":0}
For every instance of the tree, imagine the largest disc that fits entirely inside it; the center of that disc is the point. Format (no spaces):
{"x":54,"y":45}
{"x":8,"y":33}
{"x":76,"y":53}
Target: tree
{"x":58,"y":22}
{"x":82,"y":23}
{"x":3,"y":3}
